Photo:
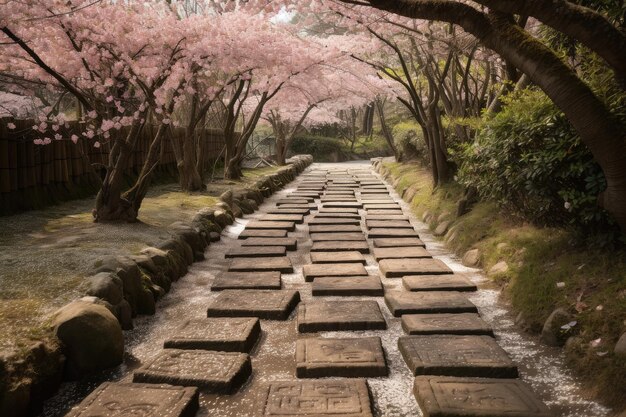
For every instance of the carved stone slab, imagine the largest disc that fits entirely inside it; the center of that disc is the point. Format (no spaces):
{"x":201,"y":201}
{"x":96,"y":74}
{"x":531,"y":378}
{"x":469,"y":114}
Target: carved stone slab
{"x":339,"y":210}
{"x":335,"y":192}
{"x":386,"y":217}
{"x":258,"y":224}
{"x":405,"y":302}
{"x":372,"y":201}
{"x":337,"y":257}
{"x":281,"y":210}
{"x":296,"y":218}
{"x":391,"y":224}
{"x":146,"y":400}
{"x":382,"y":232}
{"x":461,"y":324}
{"x":353,"y":357}
{"x":476,"y":356}
{"x":248,"y":233}
{"x":264,"y":304}
{"x":291,"y":243}
{"x":338,"y":246}
{"x":391,"y":242}
{"x":281,"y":264}
{"x":377,"y":197}
{"x":325,"y":215}
{"x":403,"y":252}
{"x":347,"y":286}
{"x":440,"y":396}
{"x":316,"y":316}
{"x":338,"y":199}
{"x":256,"y":252}
{"x":394,"y":268}
{"x":381,"y":206}
{"x":320,"y":237}
{"x":437,"y":283}
{"x":215,"y":372}
{"x":340,"y":204}
{"x":269,"y":280}
{"x":317,"y":221}
{"x":335,"y":228}
{"x":221,"y":334}
{"x":384,"y":212}
{"x":312,"y":271}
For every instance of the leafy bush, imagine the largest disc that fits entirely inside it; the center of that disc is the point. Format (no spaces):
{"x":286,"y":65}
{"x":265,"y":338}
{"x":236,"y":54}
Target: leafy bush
{"x":410,"y":140}
{"x":529,"y":158}
{"x":321,"y":147}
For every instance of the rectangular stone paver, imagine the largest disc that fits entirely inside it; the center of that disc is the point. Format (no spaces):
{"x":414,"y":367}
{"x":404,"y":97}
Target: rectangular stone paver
{"x":248,"y":233}
{"x":405,"y":302}
{"x":301,"y":211}
{"x":320,"y":237}
{"x":391,"y":224}
{"x":378,"y":232}
{"x":378,"y":206}
{"x":316,"y":316}
{"x":311,"y":206}
{"x":325,"y":398}
{"x":264,"y":304}
{"x":324,"y":215}
{"x":296,"y":218}
{"x":337,"y":257}
{"x":446,"y":323}
{"x":403,"y":252}
{"x":339,"y":210}
{"x":281,"y":264}
{"x":438,"y":396}
{"x":334,"y":221}
{"x":289,"y":226}
{"x":268,"y":280}
{"x":256,"y":252}
{"x":369,"y":217}
{"x":385,"y":212}
{"x":437,"y":283}
{"x":451,"y":355}
{"x":333,"y":357}
{"x":335,"y":228}
{"x":395,"y":268}
{"x":214,"y":372}
{"x":393,"y":242}
{"x":332,"y":270}
{"x":285,"y":201}
{"x":291,"y":243}
{"x":340,"y":246}
{"x":146,"y":400}
{"x":342,"y":205}
{"x":369,"y":286}
{"x":225,"y":334}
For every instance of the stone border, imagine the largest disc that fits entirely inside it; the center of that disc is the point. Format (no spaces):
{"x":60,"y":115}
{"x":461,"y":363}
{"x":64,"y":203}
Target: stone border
{"x":121,"y":288}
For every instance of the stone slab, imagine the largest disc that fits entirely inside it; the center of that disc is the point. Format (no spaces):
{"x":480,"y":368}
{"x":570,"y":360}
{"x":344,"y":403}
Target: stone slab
{"x":324,"y":215}
{"x":214,"y":372}
{"x":334,"y":221}
{"x":258,"y":224}
{"x":392,"y":212}
{"x":386,"y":217}
{"x":379,"y":232}
{"x":437,"y":283}
{"x":296,"y":218}
{"x":302,"y":211}
{"x":394,"y":268}
{"x":311,"y":206}
{"x":381,"y":206}
{"x":223,"y":334}
{"x":344,"y":204}
{"x":451,"y":355}
{"x":291,"y":243}
{"x":337,"y":257}
{"x":391,"y":242}
{"x":325,"y":398}
{"x":334,"y":192}
{"x":248,"y":233}
{"x":340,"y":246}
{"x":359,"y":357}
{"x":405,"y":302}
{"x":269,"y":280}
{"x":446,"y":323}
{"x":338,"y":199}
{"x":439,"y":396}
{"x":264,"y":304}
{"x":339,"y":210}
{"x":256,"y":252}
{"x":366,"y":197}
{"x":369,"y":286}
{"x":281,"y":264}
{"x":335,"y":228}
{"x":297,"y":198}
{"x":317,"y":316}
{"x":146,"y":400}
{"x":313,"y":271}
{"x":285,"y":201}
{"x":402,"y":252}
{"x":391,"y":224}
{"x":371,"y":201}
{"x":320,"y":237}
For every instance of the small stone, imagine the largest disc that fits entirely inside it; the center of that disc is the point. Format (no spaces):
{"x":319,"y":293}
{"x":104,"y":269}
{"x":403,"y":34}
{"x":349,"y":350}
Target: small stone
{"x":442,"y":228}
{"x":500,"y":268}
{"x":620,"y":346}
{"x":552,"y":334}
{"x":471,"y":258}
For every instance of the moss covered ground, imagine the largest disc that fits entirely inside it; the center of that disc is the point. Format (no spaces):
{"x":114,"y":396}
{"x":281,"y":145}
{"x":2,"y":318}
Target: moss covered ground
{"x":548,"y":268}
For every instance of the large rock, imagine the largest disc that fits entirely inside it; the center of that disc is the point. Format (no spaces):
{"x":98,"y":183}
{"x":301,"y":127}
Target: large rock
{"x":620,"y":346}
{"x":471,"y":257}
{"x":500,"y":268}
{"x":91,"y":337}
{"x":106,"y":285}
{"x":130,"y":274}
{"x":552,"y":334}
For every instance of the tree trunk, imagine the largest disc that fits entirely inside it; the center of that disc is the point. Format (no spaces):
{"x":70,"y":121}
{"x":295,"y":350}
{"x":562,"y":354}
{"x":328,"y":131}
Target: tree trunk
{"x":190,"y":179}
{"x":281,"y":151}
{"x":232,"y":170}
{"x":387,"y":134}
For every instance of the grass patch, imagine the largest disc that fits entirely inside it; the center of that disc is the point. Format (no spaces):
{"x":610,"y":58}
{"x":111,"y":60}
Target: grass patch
{"x":592,"y":281}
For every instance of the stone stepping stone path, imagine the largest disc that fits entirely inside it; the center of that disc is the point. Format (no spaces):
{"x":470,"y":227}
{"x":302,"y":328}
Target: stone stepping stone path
{"x":269,"y":280}
{"x":214,"y":372}
{"x":313,"y":240}
{"x":220,"y":334}
{"x":333,"y":357}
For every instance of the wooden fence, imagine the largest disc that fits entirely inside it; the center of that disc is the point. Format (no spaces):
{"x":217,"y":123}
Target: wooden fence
{"x":33,"y":176}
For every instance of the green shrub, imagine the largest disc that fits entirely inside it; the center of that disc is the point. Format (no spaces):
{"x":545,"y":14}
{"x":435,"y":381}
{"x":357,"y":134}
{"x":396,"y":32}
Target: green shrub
{"x":409,"y":140}
{"x":321,"y":147}
{"x":529,"y":158}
